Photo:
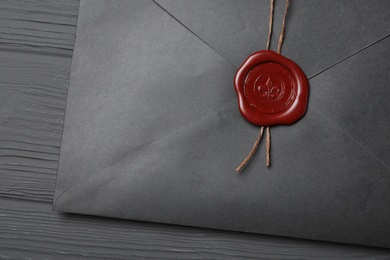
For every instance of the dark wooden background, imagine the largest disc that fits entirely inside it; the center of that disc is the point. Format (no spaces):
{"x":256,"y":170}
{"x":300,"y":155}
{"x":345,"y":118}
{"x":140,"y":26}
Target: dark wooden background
{"x":36,"y":43}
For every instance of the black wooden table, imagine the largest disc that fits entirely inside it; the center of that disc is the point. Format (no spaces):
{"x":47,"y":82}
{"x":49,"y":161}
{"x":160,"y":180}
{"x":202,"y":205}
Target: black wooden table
{"x":36,"y":43}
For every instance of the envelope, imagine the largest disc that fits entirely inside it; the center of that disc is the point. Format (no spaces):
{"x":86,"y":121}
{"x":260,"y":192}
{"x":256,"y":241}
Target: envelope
{"x":153,"y":132}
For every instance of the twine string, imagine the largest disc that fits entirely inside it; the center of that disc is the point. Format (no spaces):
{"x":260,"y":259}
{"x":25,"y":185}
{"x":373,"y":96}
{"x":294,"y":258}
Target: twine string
{"x":281,"y":36}
{"x":270,"y":24}
{"x":280,"y":43}
{"x":252,"y":152}
{"x":268,"y":148}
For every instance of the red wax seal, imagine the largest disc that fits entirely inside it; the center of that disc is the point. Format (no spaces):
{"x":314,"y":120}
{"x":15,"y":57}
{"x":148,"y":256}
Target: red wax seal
{"x":271,"y":89}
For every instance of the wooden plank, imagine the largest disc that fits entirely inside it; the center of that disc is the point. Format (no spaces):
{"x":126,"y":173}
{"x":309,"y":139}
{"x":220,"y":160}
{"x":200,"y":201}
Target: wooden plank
{"x":32,"y":229}
{"x":33,"y":92}
{"x":36,"y":44}
{"x":39,"y":26}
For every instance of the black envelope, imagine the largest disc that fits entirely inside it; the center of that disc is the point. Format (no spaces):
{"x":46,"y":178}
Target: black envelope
{"x":153,"y":131}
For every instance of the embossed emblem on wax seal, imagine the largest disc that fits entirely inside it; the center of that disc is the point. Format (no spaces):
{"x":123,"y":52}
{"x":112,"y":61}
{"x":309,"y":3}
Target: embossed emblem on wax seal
{"x":271,"y":89}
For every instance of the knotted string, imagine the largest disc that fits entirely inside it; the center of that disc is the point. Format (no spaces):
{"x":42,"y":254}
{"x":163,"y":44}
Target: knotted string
{"x":280,"y":43}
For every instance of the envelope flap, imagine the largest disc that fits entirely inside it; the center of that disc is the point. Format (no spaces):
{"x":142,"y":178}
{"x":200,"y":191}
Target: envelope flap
{"x":318,"y":33}
{"x":132,"y":84}
{"x":187,"y":177}
{"x":354,"y":96}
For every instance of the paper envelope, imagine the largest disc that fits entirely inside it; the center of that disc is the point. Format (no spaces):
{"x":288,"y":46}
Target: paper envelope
{"x":153,"y":131}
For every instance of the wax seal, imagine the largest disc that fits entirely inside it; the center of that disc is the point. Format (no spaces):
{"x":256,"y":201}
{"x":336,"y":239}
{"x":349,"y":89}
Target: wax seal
{"x":271,"y":89}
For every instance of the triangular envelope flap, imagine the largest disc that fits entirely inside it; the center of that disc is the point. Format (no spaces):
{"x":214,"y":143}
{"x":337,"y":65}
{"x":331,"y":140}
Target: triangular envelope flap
{"x":131,"y":150}
{"x":187,"y":177}
{"x":355,"y":96}
{"x":137,"y":75}
{"x":318,"y":33}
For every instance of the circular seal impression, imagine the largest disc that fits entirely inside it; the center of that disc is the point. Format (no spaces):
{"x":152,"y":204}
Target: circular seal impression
{"x":271,"y":89}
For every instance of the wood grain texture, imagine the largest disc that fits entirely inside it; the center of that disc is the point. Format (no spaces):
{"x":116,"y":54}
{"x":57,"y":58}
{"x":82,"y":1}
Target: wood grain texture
{"x":32,"y":229}
{"x":36,"y":43}
{"x":33,"y":26}
{"x":33,"y":91}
